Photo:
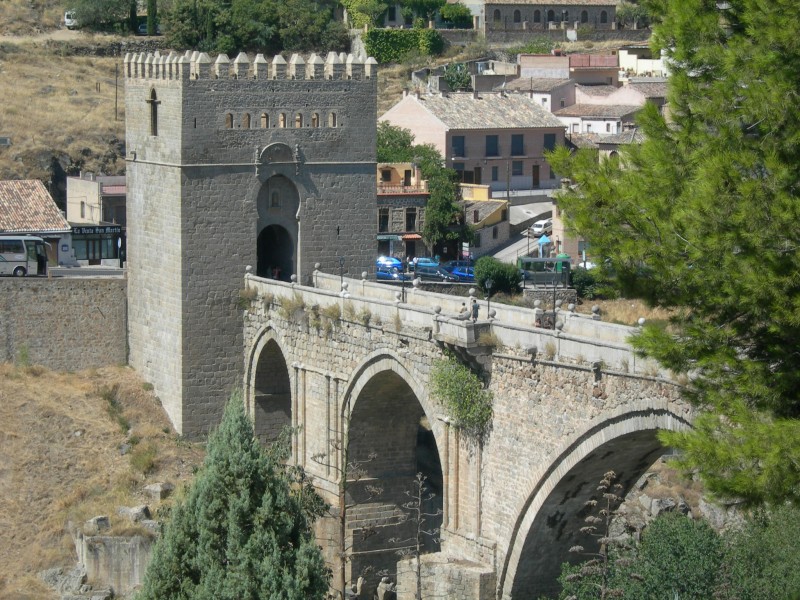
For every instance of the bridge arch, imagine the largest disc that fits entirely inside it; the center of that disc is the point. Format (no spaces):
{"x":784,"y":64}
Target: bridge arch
{"x":269,"y":385}
{"x":550,"y":518}
{"x":392,"y":435}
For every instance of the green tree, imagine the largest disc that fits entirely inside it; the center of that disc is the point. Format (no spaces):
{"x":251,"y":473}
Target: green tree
{"x":702,"y":218}
{"x":244,"y":527}
{"x":394,"y":144}
{"x":632,"y":13}
{"x":424,"y":8}
{"x":101,"y":15}
{"x":505,"y":277}
{"x":152,"y":17}
{"x":457,"y":77}
{"x":365,"y":12}
{"x":456,"y":15}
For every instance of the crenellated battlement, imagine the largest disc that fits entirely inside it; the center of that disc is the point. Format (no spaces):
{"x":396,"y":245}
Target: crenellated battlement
{"x":198,"y":65}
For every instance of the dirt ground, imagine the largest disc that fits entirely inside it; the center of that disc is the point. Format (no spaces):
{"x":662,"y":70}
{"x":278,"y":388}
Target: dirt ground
{"x":64,"y":460}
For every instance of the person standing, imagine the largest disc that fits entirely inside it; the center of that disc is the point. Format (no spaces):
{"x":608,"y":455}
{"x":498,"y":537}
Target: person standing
{"x":475,"y":309}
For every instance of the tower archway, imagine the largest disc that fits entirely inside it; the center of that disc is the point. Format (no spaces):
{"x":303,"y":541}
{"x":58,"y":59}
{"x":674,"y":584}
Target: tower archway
{"x":278,"y":229}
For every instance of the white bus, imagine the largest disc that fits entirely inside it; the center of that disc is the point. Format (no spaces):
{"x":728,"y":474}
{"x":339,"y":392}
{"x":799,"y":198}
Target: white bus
{"x":22,"y":255}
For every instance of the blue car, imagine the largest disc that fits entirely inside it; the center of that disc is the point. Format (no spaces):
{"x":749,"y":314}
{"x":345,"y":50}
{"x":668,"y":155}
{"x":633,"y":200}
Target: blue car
{"x":390,"y":274}
{"x":389,"y":262}
{"x":464,"y":273}
{"x":449,"y":266}
{"x":423,"y":261}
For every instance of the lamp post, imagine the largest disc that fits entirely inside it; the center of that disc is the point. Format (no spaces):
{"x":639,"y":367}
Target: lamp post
{"x":341,"y":272}
{"x":488,"y":285}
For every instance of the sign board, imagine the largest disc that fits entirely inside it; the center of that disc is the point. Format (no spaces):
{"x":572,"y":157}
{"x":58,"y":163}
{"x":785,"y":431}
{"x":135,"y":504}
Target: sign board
{"x":97,"y":230}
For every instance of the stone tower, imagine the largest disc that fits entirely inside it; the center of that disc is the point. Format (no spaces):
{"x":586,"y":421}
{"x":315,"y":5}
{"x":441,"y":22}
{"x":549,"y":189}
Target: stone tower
{"x":229,"y":164}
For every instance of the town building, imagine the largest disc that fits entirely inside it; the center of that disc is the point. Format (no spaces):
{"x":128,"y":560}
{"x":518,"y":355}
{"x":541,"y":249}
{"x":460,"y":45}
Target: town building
{"x":488,"y":217}
{"x":496,"y":139}
{"x":26,"y":208}
{"x":402,"y":197}
{"x":533,"y":15}
{"x":96,"y":211}
{"x":586,"y":69}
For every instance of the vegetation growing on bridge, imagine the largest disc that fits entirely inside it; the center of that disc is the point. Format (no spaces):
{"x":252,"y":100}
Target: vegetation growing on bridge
{"x":463,"y":394}
{"x":702,"y":218}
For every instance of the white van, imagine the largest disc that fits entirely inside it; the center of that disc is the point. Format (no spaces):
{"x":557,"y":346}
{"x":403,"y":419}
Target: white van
{"x":22,"y":255}
{"x":70,"y":20}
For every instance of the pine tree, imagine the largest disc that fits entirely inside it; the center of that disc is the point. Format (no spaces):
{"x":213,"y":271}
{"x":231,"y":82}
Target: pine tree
{"x":243,"y":531}
{"x":703,"y":218}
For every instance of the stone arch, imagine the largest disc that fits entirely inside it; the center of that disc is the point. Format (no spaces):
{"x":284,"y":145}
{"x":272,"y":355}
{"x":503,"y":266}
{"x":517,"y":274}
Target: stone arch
{"x":517,"y":16}
{"x":277,"y":153}
{"x":246,"y":121}
{"x":384,"y":411}
{"x":551,"y":16}
{"x":282,"y":120}
{"x":603,"y":17}
{"x":332,"y":119}
{"x":537,"y":16}
{"x":584,"y":16}
{"x":264,"y":121}
{"x":550,"y":518}
{"x":298,"y":120}
{"x":228,"y":121}
{"x":496,"y":15}
{"x":315,"y":120}
{"x":268,"y":377}
{"x":278,"y":230}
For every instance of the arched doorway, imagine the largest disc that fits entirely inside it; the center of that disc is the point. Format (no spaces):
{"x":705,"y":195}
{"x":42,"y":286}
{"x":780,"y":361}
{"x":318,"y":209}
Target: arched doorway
{"x":278,"y":204}
{"x":275,"y":253}
{"x":272,"y":397}
{"x":390,"y":441}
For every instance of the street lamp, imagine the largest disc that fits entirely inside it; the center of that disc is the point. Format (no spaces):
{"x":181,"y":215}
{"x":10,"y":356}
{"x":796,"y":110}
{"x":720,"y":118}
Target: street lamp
{"x":341,"y":272}
{"x":488,"y":285}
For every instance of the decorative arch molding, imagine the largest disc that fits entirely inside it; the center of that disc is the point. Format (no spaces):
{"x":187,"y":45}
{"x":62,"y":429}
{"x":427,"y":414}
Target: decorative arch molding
{"x":277,"y":152}
{"x":266,"y":334}
{"x":623,"y":422}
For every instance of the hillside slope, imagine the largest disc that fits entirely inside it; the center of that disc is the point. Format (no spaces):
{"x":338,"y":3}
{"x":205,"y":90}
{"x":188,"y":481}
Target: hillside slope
{"x":62,"y":444}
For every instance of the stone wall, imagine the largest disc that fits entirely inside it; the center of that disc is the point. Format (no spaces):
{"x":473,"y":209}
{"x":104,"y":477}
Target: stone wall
{"x":119,"y":562}
{"x":63,"y":323}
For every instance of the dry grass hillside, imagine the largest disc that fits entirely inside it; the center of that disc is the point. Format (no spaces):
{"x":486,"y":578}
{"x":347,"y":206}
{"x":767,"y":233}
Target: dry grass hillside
{"x":60,"y":441}
{"x":24,"y":17}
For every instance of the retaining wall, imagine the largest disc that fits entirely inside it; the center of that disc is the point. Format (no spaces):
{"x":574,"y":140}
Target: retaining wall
{"x":63,"y":323}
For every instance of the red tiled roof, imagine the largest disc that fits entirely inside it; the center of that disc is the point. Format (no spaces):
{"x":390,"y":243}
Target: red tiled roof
{"x":27,"y":207}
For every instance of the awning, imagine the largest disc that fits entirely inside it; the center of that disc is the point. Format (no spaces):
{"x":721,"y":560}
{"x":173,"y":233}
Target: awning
{"x":544,"y":240}
{"x":388,"y":237}
{"x":411,"y":236}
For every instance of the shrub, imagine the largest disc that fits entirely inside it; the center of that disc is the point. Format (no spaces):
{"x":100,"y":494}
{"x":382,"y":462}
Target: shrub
{"x":456,"y":15}
{"x":505,"y":277}
{"x":246,"y":296}
{"x":143,"y":458}
{"x":393,"y":45}
{"x":463,"y":395}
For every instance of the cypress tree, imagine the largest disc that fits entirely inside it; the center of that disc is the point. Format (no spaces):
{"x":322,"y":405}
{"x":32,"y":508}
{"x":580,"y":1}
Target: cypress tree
{"x":243,"y":530}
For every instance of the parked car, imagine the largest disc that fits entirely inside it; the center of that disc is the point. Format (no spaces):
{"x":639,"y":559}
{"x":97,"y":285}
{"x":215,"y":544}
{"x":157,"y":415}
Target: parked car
{"x":389,"y":261}
{"x":449,"y":266}
{"x":142,"y":29}
{"x":390,"y":274}
{"x":434,"y":273}
{"x":540,"y":228}
{"x":423,"y":261}
{"x":466,"y":274}
{"x":70,"y":20}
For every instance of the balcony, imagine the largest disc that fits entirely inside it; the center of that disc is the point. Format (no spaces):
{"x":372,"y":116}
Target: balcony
{"x":396,"y":188}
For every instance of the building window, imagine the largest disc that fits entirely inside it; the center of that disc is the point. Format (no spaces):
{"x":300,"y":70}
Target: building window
{"x":603,"y":17}
{"x":496,"y":15}
{"x":492,"y":147}
{"x":282,"y":121}
{"x":551,"y":16}
{"x":459,"y":168}
{"x":386,"y":175}
{"x":563,"y":103}
{"x":537,"y":16}
{"x":608,"y":127}
{"x":588,"y":128}
{"x":549,"y":141}
{"x":298,"y":121}
{"x":477,"y":242}
{"x":476,"y":216}
{"x":584,"y":16}
{"x":504,"y":215}
{"x":383,"y":220}
{"x":275,"y":199}
{"x":83,"y":209}
{"x":517,"y":16}
{"x":246,"y":121}
{"x":494,"y":233}
{"x":411,"y":219}
{"x":153,"y":102}
{"x":574,"y":128}
{"x":332,"y":120}
{"x":495,"y":173}
{"x":458,"y":146}
{"x":544,"y":101}
{"x":517,"y":145}
{"x":516,"y":167}
{"x":565,"y":15}
{"x":315,"y":120}
{"x":228,"y":121}
{"x":264,"y":121}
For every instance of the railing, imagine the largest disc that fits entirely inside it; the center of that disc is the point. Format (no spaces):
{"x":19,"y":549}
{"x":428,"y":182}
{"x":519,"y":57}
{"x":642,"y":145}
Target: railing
{"x":419,"y":188}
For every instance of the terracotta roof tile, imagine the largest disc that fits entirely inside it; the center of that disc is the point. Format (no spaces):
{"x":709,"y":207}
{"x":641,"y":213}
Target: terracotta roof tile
{"x":597,"y":110}
{"x":535,"y":84}
{"x":27,"y":207}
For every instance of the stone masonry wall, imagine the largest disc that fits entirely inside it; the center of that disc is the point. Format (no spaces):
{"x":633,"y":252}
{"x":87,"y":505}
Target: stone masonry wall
{"x":63,"y":323}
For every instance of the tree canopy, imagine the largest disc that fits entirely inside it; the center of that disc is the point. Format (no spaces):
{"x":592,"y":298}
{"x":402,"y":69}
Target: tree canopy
{"x":702,"y":218}
{"x":243,"y":530}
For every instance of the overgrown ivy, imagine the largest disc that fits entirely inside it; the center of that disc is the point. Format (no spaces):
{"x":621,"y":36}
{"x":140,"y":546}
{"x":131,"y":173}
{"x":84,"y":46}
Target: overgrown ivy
{"x":393,"y":45}
{"x":462,"y":393}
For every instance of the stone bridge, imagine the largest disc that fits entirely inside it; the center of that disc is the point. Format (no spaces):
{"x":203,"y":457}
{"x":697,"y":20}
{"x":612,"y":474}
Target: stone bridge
{"x":349,"y":369}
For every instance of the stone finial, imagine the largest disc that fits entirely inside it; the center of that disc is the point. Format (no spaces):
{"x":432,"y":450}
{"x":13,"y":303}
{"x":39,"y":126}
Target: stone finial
{"x":317,"y":266}
{"x":293,"y":277}
{"x":297,"y":67}
{"x":241,"y":66}
{"x":222,"y":66}
{"x":492,"y":314}
{"x":202,"y":66}
{"x":371,"y":68}
{"x":260,"y":67}
{"x":316,"y":67}
{"x":437,"y":309}
{"x":354,"y":67}
{"x":364,"y":274}
{"x":416,"y":282}
{"x":471,"y":292}
{"x":571,"y":307}
{"x":248,"y":269}
{"x":641,"y":321}
{"x":278,"y":67}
